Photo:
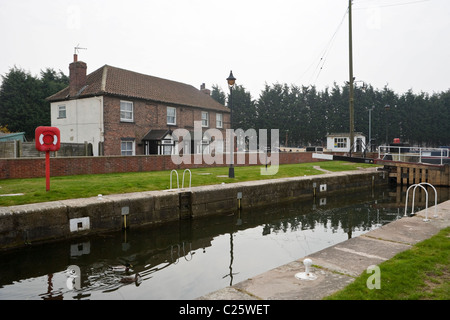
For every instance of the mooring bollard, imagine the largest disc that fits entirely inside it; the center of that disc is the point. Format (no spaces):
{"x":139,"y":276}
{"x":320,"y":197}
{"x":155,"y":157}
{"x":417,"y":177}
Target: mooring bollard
{"x":307,"y":275}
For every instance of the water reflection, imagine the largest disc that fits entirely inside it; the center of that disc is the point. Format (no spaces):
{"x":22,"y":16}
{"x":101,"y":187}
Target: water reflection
{"x":189,"y":258}
{"x":231,"y":273}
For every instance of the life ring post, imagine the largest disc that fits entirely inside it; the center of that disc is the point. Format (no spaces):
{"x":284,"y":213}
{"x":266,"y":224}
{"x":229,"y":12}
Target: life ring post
{"x":47,"y":170}
{"x":47,"y":139}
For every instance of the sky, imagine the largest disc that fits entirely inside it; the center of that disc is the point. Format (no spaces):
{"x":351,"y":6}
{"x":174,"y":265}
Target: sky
{"x":401,"y":44}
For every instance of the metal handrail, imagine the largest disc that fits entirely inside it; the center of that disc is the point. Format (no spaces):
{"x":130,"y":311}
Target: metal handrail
{"x":414,"y":151}
{"x":435,"y":197}
{"x":178,"y":183}
{"x":190,"y":178}
{"x":182,"y":183}
{"x":426,"y":199}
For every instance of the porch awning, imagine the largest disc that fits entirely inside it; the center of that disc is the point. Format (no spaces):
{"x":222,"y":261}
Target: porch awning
{"x":158,"y":135}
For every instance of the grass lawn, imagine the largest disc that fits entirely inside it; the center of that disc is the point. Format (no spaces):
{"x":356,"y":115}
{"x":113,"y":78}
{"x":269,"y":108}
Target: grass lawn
{"x":82,"y":186}
{"x":420,"y":273}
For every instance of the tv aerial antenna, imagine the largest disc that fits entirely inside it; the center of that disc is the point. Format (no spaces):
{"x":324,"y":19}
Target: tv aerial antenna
{"x":78,"y":48}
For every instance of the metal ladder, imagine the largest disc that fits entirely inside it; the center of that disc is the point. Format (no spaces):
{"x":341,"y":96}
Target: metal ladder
{"x":190,"y":178}
{"x":178,"y":183}
{"x":426,"y":199}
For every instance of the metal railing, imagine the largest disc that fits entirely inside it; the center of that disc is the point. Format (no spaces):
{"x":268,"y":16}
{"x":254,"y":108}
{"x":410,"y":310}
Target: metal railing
{"x":414,"y":154}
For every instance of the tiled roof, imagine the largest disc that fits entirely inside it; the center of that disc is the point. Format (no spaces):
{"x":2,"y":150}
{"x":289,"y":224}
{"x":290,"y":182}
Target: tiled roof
{"x":110,"y":80}
{"x":156,"y":134}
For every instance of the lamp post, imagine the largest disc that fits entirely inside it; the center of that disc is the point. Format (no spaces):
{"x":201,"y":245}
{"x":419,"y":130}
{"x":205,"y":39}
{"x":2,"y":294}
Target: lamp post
{"x":370,"y":128}
{"x":351,"y":100}
{"x":231,"y":81}
{"x":387,"y":107}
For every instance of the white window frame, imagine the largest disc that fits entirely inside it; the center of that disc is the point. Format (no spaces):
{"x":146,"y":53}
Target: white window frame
{"x":219,"y":120}
{"x":174,"y":116}
{"x":126,"y":115}
{"x":129,"y":149}
{"x":205,"y":119}
{"x":340,"y":143}
{"x":62,"y":112}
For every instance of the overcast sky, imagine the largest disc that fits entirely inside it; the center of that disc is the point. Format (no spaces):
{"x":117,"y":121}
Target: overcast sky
{"x":404,"y":44}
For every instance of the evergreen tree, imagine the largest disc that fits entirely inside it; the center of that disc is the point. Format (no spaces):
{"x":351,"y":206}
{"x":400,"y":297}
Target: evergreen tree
{"x":19,"y":101}
{"x":217,"y":94}
{"x":307,"y":115}
{"x":22,"y":99}
{"x":244,"y":109}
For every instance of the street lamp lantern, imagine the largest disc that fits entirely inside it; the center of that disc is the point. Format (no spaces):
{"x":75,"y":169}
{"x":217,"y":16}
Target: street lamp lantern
{"x":231,"y":81}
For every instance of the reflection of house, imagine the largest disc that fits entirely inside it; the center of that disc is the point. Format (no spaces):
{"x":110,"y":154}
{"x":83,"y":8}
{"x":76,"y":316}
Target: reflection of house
{"x":128,"y":113}
{"x":340,"y":142}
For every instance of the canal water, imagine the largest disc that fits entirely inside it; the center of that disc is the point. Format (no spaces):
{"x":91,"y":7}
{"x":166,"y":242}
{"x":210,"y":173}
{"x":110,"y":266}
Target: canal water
{"x":190,"y":258}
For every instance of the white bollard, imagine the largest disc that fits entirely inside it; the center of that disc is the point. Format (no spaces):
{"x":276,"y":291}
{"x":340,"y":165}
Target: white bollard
{"x":307,"y":275}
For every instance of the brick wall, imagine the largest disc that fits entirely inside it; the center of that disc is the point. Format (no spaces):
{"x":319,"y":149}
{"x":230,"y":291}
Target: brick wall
{"x":147,"y":115}
{"x":35,"y":167}
{"x":144,"y":117}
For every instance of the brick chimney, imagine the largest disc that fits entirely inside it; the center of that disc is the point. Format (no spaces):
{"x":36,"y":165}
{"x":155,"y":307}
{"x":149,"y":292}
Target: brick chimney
{"x":204,"y":90}
{"x":77,"y":76}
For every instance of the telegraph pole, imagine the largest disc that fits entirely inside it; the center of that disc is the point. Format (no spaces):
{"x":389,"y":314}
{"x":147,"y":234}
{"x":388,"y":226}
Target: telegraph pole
{"x":352,"y":122}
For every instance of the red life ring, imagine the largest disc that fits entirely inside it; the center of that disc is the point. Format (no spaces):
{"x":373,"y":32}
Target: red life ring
{"x":47,"y":139}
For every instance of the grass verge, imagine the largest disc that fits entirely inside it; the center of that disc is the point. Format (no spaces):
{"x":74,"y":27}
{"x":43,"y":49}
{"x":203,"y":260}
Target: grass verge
{"x":83,"y":186}
{"x":420,"y":273}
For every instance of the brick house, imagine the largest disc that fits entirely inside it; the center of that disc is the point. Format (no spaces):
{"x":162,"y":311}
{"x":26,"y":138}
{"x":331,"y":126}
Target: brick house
{"x":122,"y":112}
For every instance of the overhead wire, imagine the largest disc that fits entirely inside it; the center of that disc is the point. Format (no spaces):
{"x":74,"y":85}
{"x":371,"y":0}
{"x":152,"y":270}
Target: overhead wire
{"x":328,"y":47}
{"x":324,"y":53}
{"x":390,"y":5}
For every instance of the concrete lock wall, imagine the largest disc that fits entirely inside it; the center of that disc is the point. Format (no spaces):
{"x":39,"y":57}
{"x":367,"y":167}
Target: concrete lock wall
{"x":58,"y":220}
